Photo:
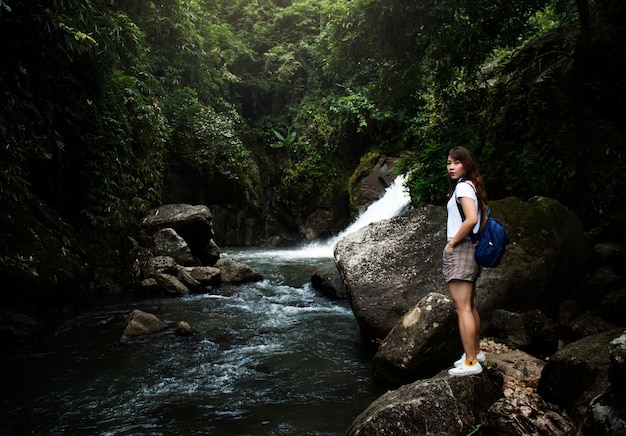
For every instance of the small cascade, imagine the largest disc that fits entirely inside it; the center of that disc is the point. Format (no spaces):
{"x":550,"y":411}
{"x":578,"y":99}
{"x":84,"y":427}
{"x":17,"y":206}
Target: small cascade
{"x":393,"y":201}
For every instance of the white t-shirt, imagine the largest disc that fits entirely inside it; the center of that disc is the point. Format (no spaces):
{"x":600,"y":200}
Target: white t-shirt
{"x":463,"y":189}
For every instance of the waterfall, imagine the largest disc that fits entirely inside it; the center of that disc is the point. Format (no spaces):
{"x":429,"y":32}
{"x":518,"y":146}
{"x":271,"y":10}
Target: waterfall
{"x":393,"y":201}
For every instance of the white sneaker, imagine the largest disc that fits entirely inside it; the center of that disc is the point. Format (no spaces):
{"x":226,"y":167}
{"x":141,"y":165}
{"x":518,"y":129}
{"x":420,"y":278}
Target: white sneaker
{"x":465,"y":369}
{"x":480,"y":356}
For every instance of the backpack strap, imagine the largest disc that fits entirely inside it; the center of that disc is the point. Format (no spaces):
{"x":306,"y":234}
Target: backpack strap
{"x":473,"y":236}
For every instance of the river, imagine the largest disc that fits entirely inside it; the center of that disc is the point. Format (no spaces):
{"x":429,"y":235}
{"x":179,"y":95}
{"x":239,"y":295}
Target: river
{"x":269,"y":358}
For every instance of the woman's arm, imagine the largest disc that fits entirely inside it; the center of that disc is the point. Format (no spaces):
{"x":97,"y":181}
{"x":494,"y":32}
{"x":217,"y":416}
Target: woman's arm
{"x":471,"y":218}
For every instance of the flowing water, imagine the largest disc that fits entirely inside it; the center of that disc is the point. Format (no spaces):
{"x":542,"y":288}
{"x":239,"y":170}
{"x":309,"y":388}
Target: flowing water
{"x":274,"y":357}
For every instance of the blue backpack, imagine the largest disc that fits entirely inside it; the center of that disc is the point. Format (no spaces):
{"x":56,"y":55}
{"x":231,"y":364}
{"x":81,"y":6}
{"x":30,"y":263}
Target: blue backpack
{"x":491,"y":241}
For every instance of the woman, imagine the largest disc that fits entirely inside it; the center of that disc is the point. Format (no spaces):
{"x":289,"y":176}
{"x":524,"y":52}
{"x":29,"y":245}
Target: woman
{"x":459,"y":267}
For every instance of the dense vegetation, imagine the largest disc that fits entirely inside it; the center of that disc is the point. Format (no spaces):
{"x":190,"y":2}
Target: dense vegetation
{"x":99,"y":96}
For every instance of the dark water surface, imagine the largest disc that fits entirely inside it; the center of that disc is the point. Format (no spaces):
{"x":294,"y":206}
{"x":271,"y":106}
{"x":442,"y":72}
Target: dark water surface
{"x":270,"y":358}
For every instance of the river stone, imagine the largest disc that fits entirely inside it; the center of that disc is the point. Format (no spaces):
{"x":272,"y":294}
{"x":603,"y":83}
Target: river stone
{"x":390,"y":265}
{"x":162,"y":264}
{"x":142,"y":323}
{"x":184,"y":329}
{"x":206,"y":275}
{"x":443,"y":405}
{"x":234,"y":271}
{"x":187,"y":279}
{"x":176,"y":215}
{"x":326,"y":278}
{"x":517,"y":365}
{"x":419,"y":346}
{"x":171,"y":285}
{"x":617,"y":367}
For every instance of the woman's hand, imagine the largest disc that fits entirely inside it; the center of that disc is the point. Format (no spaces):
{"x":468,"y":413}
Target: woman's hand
{"x":449,"y":248}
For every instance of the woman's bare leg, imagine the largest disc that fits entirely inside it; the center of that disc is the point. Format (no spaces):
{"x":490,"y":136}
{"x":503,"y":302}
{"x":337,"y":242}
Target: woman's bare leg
{"x":462,"y":293}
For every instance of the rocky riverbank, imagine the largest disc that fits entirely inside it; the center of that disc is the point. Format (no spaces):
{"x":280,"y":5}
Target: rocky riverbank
{"x":554,"y":299}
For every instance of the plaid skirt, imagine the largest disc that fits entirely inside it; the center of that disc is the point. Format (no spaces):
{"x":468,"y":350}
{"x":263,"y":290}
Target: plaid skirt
{"x":460,"y":264}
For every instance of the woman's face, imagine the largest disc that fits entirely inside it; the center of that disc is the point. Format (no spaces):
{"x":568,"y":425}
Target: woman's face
{"x":455,"y":168}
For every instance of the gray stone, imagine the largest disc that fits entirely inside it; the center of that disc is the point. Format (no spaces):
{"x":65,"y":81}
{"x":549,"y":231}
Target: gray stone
{"x":171,"y":285}
{"x":530,"y":331}
{"x":142,"y":323}
{"x":525,"y":413}
{"x":327,"y":279}
{"x":421,"y":344}
{"x":443,"y":405}
{"x":166,"y":242}
{"x":234,"y":271}
{"x":577,"y":373}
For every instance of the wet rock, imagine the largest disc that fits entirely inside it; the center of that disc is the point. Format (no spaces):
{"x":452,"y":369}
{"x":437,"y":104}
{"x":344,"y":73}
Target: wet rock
{"x":519,"y":368}
{"x":316,"y":225}
{"x":608,"y":254}
{"x":326,"y":278}
{"x":370,"y":180}
{"x":183,"y":329}
{"x":206,"y":275}
{"x":442,"y":405}
{"x":613,"y":307}
{"x":142,"y":323}
{"x":424,"y":342}
{"x":234,"y":271}
{"x":389,"y":266}
{"x":587,"y":324}
{"x":185,"y":277}
{"x":16,"y":326}
{"x":603,"y":281}
{"x":161,"y":265}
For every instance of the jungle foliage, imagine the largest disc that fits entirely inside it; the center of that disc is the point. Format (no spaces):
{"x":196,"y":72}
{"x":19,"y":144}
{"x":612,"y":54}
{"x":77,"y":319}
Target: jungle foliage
{"x":97,"y":95}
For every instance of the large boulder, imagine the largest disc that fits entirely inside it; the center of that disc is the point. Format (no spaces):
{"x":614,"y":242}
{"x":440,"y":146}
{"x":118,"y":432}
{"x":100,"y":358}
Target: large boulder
{"x":577,"y":373}
{"x":442,"y":405}
{"x":606,"y":414}
{"x":193,"y":223}
{"x":390,"y":265}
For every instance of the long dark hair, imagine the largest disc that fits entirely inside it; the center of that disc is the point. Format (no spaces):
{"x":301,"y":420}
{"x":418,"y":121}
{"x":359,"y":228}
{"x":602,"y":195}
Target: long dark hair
{"x":466,"y":157}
